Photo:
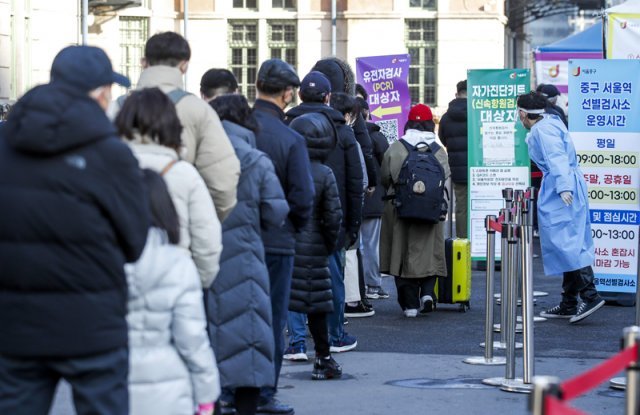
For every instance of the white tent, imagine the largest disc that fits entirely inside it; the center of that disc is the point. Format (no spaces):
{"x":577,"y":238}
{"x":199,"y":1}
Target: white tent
{"x":622,"y":31}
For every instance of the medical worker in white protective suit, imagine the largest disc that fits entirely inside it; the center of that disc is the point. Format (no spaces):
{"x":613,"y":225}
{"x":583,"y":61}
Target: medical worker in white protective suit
{"x":563,"y":210}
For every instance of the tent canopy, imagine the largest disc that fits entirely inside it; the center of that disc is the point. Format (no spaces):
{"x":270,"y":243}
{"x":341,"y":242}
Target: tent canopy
{"x":632,"y":6}
{"x":589,"y":40}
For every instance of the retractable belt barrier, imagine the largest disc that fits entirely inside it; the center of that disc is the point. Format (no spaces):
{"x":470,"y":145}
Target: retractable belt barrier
{"x":550,"y":397}
{"x":514,"y":224}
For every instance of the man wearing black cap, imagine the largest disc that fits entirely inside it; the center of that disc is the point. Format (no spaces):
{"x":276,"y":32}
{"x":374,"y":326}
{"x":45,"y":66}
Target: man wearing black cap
{"x":344,"y":161}
{"x":75,"y":211}
{"x":288,"y":152}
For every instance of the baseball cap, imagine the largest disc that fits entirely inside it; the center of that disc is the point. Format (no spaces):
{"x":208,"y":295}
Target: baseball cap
{"x":548,"y":90}
{"x":420,"y":112}
{"x":362,"y":103}
{"x":315,"y":83}
{"x":85,"y":68}
{"x":278,"y":73}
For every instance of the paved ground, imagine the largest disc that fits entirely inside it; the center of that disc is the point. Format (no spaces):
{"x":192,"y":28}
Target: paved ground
{"x":398,"y":358}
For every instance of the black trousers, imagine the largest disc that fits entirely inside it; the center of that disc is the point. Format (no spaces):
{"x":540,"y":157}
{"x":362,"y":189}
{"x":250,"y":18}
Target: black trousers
{"x":411,"y":289}
{"x":99,"y":383}
{"x":578,"y":283}
{"x":320,"y":333}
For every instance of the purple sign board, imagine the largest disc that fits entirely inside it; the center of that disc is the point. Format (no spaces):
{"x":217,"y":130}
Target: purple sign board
{"x":385,"y":80}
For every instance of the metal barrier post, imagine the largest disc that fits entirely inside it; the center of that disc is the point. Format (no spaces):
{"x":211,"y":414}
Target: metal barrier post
{"x":510,"y":300}
{"x":507,"y":195}
{"x":488,"y":358}
{"x":533,"y":200}
{"x":631,"y":336}
{"x":543,"y":386}
{"x":502,"y":344}
{"x":525,"y":252}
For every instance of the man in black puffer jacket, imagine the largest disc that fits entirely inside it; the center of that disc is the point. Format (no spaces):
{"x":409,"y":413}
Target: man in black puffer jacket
{"x":453,"y":134}
{"x":311,"y":290}
{"x":344,"y":161}
{"x":74,"y":211}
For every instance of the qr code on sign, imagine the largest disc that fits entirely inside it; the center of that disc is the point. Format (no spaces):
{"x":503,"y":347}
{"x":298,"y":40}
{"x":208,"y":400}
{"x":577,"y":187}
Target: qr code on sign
{"x":390,"y":129}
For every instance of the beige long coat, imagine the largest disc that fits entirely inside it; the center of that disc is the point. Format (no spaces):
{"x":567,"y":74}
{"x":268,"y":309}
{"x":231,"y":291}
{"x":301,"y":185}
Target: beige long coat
{"x":409,"y":250}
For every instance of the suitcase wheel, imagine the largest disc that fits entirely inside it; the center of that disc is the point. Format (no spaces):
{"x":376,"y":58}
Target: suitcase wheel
{"x":463,"y":307}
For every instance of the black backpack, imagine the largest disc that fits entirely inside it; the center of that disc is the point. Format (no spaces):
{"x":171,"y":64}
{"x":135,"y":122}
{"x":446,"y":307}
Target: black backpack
{"x":420,"y":189}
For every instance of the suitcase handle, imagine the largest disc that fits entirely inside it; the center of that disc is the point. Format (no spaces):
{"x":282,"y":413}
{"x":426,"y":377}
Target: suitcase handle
{"x":459,"y":256}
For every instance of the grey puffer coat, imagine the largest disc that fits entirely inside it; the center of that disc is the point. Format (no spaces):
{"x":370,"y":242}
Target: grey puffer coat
{"x":172,"y":367}
{"x":311,"y":283}
{"x":238,"y":301}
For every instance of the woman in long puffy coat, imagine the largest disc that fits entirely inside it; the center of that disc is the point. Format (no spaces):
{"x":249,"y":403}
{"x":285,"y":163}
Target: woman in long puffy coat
{"x":238,"y":303}
{"x":311,"y":284}
{"x":563,"y":210}
{"x":172,"y":368}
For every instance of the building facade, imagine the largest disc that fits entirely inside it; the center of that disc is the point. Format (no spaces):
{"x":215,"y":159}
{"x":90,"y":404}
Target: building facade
{"x":444,"y":37}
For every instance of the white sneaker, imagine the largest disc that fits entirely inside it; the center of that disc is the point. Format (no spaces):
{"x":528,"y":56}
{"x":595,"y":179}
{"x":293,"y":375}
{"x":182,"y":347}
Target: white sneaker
{"x":411,"y":312}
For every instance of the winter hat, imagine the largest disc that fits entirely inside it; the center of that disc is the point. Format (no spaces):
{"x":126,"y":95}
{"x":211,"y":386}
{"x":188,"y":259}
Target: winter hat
{"x":339,"y":73}
{"x":278,"y":74}
{"x":85,"y":68}
{"x":315,"y":84}
{"x":420,"y":112}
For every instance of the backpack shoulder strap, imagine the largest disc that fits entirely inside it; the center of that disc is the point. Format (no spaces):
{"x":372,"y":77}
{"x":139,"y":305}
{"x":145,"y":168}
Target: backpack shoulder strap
{"x":177,"y":94}
{"x":406,"y":145}
{"x":168,"y":167}
{"x":434,"y":147}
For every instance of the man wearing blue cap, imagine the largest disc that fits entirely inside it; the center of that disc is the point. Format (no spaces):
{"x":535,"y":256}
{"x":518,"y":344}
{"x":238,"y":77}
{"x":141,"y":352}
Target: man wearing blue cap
{"x":75,"y":212}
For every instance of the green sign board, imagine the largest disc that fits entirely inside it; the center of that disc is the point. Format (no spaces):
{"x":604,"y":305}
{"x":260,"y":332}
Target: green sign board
{"x":498,"y":156}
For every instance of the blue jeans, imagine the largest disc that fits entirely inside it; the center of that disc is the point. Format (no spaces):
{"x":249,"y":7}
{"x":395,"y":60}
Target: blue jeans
{"x":297,"y":330}
{"x":335,"y":319}
{"x":280,"y":272}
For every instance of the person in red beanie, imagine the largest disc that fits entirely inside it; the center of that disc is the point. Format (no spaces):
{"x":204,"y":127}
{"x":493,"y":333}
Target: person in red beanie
{"x":412,"y":250}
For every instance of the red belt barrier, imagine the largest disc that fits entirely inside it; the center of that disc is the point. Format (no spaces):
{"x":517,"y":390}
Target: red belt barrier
{"x":496,"y":226}
{"x":553,"y":406}
{"x":536,"y":174}
{"x":601,"y":373}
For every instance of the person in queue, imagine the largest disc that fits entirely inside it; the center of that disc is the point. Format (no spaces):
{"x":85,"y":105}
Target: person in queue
{"x":563,"y":210}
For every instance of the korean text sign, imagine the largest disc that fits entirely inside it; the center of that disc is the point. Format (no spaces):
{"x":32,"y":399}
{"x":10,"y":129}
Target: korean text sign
{"x":385,"y":80}
{"x":605,"y":127}
{"x":498,"y":156}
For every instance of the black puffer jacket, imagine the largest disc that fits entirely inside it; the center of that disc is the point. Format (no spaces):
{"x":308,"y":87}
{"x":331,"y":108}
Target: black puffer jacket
{"x":342,"y":79}
{"x":453,"y":134}
{"x":311,"y":283}
{"x":374,"y":205}
{"x":344,"y":161}
{"x":73,"y":212}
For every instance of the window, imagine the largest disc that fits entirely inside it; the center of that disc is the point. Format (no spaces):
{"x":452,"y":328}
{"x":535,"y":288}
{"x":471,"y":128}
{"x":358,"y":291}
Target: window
{"x":134,"y":32}
{"x":243,"y":45}
{"x":283,"y":4}
{"x":245,"y":4}
{"x":421,"y":43}
{"x":424,"y":4}
{"x":282,"y":41}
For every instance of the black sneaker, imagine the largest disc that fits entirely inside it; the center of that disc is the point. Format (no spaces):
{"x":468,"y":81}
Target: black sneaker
{"x":359,"y":310}
{"x":586,"y":309}
{"x":559,"y":311}
{"x":426,"y":304}
{"x":326,"y":368}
